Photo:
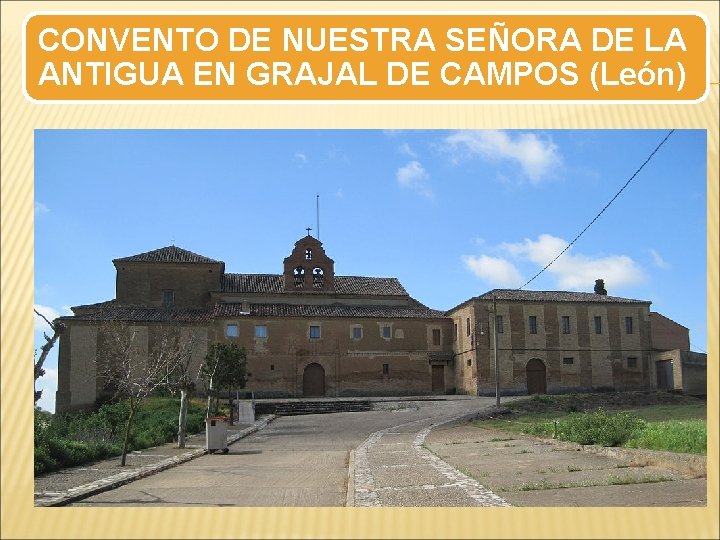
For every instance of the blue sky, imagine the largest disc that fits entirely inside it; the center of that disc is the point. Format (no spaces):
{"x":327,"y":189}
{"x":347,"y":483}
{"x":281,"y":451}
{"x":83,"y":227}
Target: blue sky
{"x":452,"y":214}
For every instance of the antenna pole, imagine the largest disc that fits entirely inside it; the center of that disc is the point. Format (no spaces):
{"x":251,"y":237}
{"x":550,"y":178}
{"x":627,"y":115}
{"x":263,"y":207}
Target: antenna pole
{"x":317,"y":212}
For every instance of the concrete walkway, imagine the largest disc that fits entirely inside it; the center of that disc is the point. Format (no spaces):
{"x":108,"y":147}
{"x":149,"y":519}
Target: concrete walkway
{"x":73,"y":484}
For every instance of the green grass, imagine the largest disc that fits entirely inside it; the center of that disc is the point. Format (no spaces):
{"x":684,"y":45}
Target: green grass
{"x":688,"y":436}
{"x":68,"y":440}
{"x":672,"y":428}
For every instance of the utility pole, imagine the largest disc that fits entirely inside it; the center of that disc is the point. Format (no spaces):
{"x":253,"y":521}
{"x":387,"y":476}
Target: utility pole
{"x":317,"y":214}
{"x":497,"y":365}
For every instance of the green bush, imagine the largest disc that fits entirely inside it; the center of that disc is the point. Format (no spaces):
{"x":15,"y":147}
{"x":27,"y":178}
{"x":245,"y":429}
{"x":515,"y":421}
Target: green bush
{"x":600,"y":427}
{"x":73,"y":439}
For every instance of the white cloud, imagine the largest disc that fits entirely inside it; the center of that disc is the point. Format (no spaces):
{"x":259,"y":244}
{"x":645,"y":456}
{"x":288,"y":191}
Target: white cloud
{"x":48,"y":384}
{"x":658,"y":260}
{"x":41,"y":208}
{"x":340,"y":194}
{"x":51,"y":314}
{"x":537,"y":158}
{"x":405,"y":149}
{"x":299,"y":157}
{"x":577,"y":272}
{"x":497,"y":271}
{"x":414,"y":176}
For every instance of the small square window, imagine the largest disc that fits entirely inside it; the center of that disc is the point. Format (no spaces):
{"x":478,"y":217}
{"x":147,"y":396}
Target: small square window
{"x":168,"y":297}
{"x":386,"y":334}
{"x":532,"y":324}
{"x":436,"y":336}
{"x":261,"y":331}
{"x":568,"y":361}
{"x":314,"y":332}
{"x":232,"y":330}
{"x":632,"y":362}
{"x":469,"y":362}
{"x":566,"y":324}
{"x":357,"y":332}
{"x":628,"y":325}
{"x":499,"y":324}
{"x":598,"y":324}
{"x":386,"y":369}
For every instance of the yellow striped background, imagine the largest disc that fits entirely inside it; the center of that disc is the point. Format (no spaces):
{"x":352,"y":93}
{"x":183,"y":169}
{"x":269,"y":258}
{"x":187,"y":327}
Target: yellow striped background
{"x":20,"y":519}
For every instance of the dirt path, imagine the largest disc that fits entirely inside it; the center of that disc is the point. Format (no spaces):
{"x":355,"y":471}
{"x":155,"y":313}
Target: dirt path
{"x":528,"y":471}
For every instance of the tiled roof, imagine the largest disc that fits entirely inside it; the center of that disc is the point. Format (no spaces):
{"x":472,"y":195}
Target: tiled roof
{"x":252,"y":283}
{"x":273,"y":283}
{"x":169,"y":254}
{"x":555,"y":296}
{"x":108,"y":312}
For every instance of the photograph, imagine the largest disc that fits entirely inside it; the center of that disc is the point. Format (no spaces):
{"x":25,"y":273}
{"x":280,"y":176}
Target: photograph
{"x":385,"y":318}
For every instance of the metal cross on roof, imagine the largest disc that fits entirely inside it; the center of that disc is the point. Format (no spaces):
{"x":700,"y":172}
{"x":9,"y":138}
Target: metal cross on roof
{"x":308,"y":229}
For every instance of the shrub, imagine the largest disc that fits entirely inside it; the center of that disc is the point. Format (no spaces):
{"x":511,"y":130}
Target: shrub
{"x":687,"y":436}
{"x":600,"y":427}
{"x":73,"y":439}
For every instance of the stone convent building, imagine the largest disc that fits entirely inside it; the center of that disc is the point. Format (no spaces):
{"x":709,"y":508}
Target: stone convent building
{"x":309,"y":332}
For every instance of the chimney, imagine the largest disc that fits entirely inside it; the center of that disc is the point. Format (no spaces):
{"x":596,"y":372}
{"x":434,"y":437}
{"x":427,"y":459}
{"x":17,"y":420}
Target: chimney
{"x":600,"y":287}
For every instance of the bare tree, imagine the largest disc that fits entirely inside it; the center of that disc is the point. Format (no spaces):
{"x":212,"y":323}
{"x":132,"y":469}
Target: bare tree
{"x":57,"y":328}
{"x":131,"y":372}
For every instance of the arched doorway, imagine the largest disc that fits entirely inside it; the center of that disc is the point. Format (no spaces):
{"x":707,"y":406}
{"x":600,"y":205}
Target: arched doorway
{"x":314,"y":381}
{"x":536,"y":381}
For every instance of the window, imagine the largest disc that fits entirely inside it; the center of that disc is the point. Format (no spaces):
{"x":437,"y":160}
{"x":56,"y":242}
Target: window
{"x":632,"y":362}
{"x":386,"y":332}
{"x":386,"y":369}
{"x":261,"y":331}
{"x":566,"y":324}
{"x":568,"y":361}
{"x":598,"y":324}
{"x":317,"y":276}
{"x":532,"y":324}
{"x":314,"y":332}
{"x":467,"y":323}
{"x":168,"y":298}
{"x":308,"y":254}
{"x":357,"y":332}
{"x":469,"y":362}
{"x":436,"y":336}
{"x":272,"y":367}
{"x":499,"y":324}
{"x":299,"y":277}
{"x":455,"y":334}
{"x":231,"y":330}
{"x":628,"y":325}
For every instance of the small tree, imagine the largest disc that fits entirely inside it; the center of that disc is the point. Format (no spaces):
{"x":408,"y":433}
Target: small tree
{"x":225,"y":368}
{"x":131,"y":372}
{"x":183,"y":379}
{"x":57,"y":328}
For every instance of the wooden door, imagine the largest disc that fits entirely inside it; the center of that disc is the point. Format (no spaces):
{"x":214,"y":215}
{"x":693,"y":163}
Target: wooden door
{"x":314,"y":381}
{"x":438,"y":379}
{"x":536,"y":381}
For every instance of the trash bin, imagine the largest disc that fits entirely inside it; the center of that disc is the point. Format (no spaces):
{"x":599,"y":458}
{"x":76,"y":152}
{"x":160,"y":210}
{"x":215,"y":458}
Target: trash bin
{"x":216,"y":434}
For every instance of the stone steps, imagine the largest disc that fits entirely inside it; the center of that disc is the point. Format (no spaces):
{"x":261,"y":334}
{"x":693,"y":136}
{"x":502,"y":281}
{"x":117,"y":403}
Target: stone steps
{"x":292,"y":408}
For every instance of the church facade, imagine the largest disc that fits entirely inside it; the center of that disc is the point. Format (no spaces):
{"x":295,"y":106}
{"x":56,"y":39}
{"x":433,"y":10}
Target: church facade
{"x":309,"y":332}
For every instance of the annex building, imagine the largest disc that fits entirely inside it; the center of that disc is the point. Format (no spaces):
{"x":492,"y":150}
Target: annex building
{"x":309,"y":332}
